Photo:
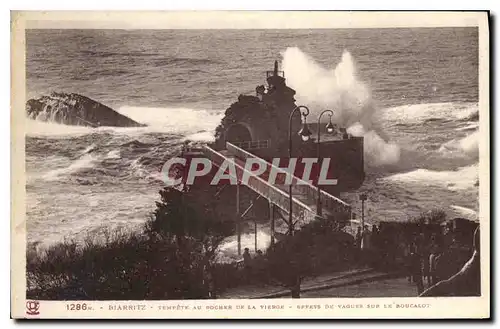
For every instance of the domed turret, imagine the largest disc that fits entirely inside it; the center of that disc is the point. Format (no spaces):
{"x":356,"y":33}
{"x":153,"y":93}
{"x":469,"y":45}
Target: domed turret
{"x":261,"y":118}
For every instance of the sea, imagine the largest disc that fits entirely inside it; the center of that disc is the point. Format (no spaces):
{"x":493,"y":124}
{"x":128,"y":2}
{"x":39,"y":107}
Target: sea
{"x":412,"y":93}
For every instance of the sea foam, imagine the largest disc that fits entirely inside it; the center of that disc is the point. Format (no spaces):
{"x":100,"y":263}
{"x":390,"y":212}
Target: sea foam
{"x":173,"y":120}
{"x":86,"y":161}
{"x":454,"y":180}
{"x":417,"y":113}
{"x":467,"y":146}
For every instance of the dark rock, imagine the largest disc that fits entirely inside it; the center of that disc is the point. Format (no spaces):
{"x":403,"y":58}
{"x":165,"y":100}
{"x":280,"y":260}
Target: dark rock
{"x":74,"y":109}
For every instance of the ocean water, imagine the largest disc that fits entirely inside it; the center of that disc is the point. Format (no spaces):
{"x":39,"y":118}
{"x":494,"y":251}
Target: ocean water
{"x":413,"y":94}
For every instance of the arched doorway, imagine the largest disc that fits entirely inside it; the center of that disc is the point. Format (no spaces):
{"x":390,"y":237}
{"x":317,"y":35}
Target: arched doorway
{"x":238,"y":133}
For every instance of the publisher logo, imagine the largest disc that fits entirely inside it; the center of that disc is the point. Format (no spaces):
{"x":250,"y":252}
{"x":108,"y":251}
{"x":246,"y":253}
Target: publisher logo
{"x":32,"y":307}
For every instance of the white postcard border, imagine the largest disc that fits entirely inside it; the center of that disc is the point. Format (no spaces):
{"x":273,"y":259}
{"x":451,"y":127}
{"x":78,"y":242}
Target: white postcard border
{"x":443,"y":307}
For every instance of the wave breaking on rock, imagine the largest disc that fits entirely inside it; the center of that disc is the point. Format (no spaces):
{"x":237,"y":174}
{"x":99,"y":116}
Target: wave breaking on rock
{"x":75,"y":109}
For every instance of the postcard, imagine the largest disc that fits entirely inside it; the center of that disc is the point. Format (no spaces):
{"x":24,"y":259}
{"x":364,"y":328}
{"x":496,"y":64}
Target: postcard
{"x":226,"y":165}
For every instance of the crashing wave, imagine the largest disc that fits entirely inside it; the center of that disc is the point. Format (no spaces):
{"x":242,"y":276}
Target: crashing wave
{"x":468,"y":145}
{"x":431,"y":112}
{"x":474,"y":116}
{"x":350,"y":98}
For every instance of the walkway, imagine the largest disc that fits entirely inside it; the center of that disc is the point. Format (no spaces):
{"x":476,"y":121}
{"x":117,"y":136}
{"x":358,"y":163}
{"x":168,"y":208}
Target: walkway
{"x":304,"y":194}
{"x":353,"y":283}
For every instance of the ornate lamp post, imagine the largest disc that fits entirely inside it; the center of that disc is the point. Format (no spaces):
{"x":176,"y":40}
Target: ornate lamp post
{"x":329,"y":129}
{"x":305,"y":134}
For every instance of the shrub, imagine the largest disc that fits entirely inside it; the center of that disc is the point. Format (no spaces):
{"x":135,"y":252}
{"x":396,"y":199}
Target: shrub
{"x":432,"y":217}
{"x":170,"y":259}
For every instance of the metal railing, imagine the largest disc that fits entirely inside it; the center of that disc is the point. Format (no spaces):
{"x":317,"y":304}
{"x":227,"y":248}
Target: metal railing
{"x":328,"y":201}
{"x":271,"y":73}
{"x":260,"y":186}
{"x":252,"y":145}
{"x":195,"y":150}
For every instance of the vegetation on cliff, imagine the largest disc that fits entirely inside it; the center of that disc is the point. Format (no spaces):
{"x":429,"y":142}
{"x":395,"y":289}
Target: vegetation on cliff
{"x":172,"y":258}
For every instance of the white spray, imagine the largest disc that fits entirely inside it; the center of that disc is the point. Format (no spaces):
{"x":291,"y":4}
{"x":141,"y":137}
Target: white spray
{"x":340,"y":90}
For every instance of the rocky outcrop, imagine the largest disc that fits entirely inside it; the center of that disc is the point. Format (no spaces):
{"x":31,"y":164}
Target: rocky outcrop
{"x":264,"y":120}
{"x":249,"y":112}
{"x":75,"y":109}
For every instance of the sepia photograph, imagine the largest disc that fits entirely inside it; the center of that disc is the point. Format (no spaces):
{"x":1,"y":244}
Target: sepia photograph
{"x":172,"y":161}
